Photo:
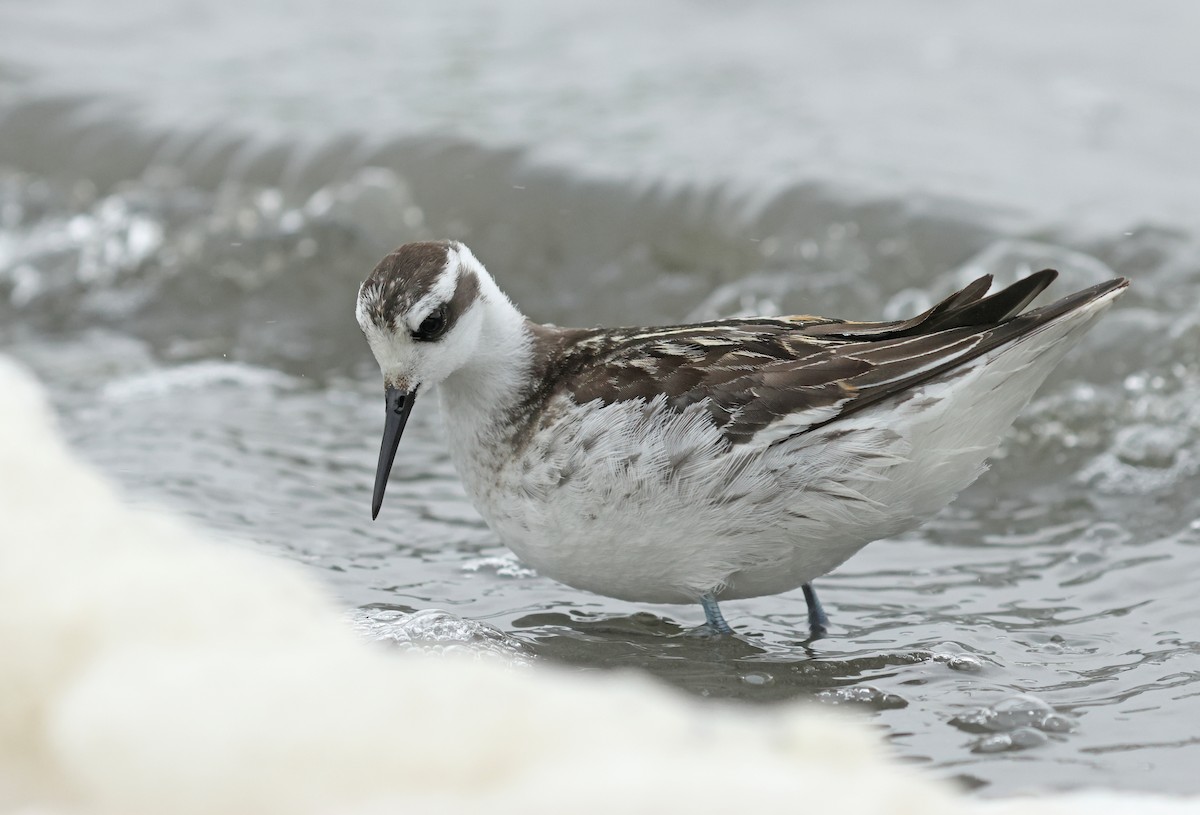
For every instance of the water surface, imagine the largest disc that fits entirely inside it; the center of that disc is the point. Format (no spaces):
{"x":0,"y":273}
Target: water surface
{"x":182,"y":231}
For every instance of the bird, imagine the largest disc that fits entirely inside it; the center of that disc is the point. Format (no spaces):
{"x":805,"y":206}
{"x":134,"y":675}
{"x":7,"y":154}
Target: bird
{"x":712,"y":461}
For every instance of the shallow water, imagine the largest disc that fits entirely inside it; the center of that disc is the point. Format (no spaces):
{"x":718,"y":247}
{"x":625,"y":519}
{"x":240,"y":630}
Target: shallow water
{"x":180,"y":269}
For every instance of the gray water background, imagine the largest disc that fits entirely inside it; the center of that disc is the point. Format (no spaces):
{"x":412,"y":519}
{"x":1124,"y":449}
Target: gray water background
{"x":191,"y":192}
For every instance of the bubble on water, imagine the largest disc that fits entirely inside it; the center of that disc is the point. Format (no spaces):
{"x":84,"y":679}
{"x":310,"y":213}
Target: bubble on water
{"x":1149,"y":445}
{"x":319,"y":203}
{"x":954,"y":657}
{"x":269,"y":201}
{"x":1023,"y":738}
{"x":1023,"y":711}
{"x":1056,"y":723}
{"x":963,"y":662}
{"x":291,"y":222}
{"x":142,"y":239}
{"x":758,"y":679}
{"x":80,"y":227}
{"x":1145,"y":457}
{"x":27,"y":284}
{"x":438,"y":632}
{"x":862,"y":695}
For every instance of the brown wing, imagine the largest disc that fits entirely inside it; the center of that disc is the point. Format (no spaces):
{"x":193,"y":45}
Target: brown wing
{"x":756,"y":371}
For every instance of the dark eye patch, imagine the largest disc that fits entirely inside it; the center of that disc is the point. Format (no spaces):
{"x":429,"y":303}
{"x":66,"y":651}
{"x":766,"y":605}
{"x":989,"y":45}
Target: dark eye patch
{"x":433,"y":326}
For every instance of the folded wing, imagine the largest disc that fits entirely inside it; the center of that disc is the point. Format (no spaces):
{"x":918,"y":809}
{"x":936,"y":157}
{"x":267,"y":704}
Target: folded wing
{"x":799,"y":373}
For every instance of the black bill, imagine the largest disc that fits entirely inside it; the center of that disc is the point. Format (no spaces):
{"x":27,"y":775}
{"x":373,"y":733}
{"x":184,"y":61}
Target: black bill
{"x":399,"y":405}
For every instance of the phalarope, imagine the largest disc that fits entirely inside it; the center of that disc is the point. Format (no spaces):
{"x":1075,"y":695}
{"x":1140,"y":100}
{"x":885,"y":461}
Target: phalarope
{"x":712,"y":461}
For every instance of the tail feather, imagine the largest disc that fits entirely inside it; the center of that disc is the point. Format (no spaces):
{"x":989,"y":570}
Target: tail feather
{"x":1004,"y":304}
{"x":965,"y":308}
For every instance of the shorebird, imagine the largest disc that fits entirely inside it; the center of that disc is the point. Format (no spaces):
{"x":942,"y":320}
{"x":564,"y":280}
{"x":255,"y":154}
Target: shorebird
{"x":711,"y":461}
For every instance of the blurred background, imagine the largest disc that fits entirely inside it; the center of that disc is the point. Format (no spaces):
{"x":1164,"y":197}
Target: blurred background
{"x":191,"y":191}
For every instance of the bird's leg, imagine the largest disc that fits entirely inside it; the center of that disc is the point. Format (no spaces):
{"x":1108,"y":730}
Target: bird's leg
{"x":713,"y":616}
{"x":818,"y":620}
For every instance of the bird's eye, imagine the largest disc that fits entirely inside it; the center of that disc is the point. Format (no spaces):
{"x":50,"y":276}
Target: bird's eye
{"x":432,"y":326}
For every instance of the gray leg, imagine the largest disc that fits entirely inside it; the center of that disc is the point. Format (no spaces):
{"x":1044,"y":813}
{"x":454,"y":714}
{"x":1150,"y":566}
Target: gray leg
{"x":818,"y":620}
{"x":713,"y":616}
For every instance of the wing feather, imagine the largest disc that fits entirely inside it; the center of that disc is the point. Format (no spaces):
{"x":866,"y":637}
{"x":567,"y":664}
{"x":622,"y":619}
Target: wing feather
{"x":799,"y":373}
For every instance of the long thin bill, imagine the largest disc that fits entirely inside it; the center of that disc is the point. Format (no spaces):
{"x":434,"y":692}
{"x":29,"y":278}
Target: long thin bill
{"x":399,"y":405}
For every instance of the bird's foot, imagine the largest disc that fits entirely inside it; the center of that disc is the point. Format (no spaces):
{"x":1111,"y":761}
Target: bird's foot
{"x":713,"y":615}
{"x":818,"y":620}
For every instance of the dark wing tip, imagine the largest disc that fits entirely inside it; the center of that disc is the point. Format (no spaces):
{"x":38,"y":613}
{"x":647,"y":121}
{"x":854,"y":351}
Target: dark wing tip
{"x":1079,"y":298}
{"x":969,"y":293}
{"x":966,"y":307}
{"x":1004,"y":304}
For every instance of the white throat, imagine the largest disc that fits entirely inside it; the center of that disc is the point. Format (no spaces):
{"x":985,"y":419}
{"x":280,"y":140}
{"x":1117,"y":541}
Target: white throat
{"x":477,"y":397}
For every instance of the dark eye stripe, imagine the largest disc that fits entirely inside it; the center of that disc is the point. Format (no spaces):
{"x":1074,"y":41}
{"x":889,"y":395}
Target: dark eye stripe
{"x":433,"y":326}
{"x":446,"y":316}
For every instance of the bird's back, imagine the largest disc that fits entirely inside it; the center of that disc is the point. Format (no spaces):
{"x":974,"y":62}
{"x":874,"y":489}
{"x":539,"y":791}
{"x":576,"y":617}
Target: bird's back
{"x":754,"y":373}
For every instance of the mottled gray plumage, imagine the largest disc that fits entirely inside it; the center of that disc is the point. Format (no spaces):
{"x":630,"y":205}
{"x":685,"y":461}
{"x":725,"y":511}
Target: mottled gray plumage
{"x":754,"y":371}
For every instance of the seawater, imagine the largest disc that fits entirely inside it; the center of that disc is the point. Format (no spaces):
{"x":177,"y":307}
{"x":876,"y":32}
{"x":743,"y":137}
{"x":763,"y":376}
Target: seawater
{"x":182,"y":232}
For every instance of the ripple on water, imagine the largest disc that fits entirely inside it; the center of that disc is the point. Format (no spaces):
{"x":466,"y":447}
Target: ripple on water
{"x":506,"y":566}
{"x":438,"y":632}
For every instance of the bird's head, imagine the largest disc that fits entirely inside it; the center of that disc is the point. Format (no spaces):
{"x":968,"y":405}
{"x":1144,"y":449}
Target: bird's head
{"x":422,"y":311}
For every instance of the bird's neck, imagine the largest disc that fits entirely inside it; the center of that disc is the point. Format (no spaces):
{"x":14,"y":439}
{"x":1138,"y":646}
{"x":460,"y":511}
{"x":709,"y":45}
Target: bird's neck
{"x":478,"y":398}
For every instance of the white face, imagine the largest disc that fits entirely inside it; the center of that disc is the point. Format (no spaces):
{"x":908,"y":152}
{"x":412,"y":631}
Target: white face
{"x":422,"y":319}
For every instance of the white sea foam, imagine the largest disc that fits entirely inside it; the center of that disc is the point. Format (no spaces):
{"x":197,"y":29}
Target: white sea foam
{"x":147,"y":669}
